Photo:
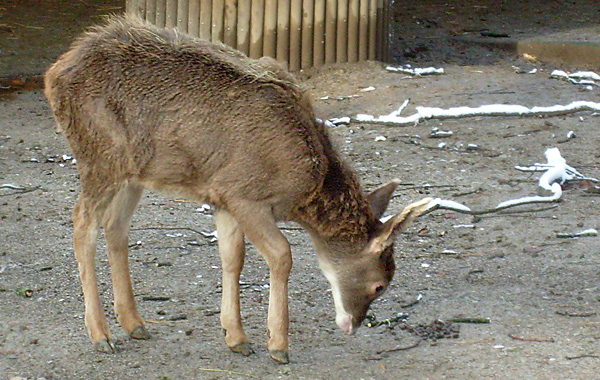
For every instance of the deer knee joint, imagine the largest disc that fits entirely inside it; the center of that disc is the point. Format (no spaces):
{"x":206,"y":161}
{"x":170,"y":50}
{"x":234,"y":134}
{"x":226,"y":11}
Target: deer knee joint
{"x":282,"y":263}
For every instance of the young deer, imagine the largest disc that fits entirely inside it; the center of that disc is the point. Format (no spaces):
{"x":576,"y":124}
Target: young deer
{"x":144,"y":107}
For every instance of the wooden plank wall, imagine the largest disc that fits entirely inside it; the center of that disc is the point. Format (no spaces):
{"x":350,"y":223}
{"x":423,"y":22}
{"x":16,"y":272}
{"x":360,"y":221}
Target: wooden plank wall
{"x":298,"y":33}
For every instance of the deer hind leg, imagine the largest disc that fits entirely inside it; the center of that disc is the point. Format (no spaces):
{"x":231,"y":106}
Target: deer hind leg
{"x":232,"y":250}
{"x":86,"y":216}
{"x":116,"y":228}
{"x":259,"y":226}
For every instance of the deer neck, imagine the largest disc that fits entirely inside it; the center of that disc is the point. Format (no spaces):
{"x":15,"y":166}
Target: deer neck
{"x":338,"y":212}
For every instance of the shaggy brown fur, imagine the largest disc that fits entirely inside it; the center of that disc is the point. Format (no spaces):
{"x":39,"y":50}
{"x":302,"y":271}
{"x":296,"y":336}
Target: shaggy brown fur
{"x":339,"y":210}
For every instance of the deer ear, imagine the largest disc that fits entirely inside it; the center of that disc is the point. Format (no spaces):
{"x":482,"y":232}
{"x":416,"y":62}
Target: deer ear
{"x":396,"y":224}
{"x":380,"y":198}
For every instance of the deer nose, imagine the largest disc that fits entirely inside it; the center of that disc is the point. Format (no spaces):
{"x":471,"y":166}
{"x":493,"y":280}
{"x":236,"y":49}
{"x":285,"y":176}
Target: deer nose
{"x":345,"y":324}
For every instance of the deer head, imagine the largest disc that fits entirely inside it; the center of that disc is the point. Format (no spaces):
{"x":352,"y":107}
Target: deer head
{"x":360,"y":273}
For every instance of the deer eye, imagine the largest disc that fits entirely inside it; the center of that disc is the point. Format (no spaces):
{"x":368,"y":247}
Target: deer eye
{"x":379,"y":289}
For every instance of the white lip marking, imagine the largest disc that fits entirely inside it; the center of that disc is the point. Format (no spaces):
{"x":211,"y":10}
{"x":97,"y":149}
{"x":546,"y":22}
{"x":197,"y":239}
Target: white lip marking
{"x":342,"y":318}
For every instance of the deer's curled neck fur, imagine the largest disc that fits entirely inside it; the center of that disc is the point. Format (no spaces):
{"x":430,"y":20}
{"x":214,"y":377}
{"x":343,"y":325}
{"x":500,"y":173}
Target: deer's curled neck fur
{"x":338,"y":211}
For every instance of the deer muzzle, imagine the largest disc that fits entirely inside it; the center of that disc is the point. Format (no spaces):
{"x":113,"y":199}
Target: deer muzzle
{"x":345,"y":323}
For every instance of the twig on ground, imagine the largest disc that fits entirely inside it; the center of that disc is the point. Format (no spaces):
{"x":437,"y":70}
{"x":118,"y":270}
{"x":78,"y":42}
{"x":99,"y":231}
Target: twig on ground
{"x":576,"y":315}
{"x":17,"y":189}
{"x":227,"y":371}
{"x":11,"y":186}
{"x":384,"y":353}
{"x":528,"y":211}
{"x":210,"y":313}
{"x":452,"y":206}
{"x":427,"y":186}
{"x":469,"y":320}
{"x":170,"y":229}
{"x":465,"y":342}
{"x":403,"y":348}
{"x":166,"y":323}
{"x":473,"y":191}
{"x":156,"y":298}
{"x":530,"y":339}
{"x":291,"y":228}
{"x":582,"y":356}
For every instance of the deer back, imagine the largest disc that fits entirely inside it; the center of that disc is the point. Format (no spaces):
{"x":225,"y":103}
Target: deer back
{"x":185,"y":115}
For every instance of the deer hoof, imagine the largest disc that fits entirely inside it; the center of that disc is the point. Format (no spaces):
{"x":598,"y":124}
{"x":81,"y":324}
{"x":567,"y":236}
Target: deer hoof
{"x":243,"y":348}
{"x":280,"y":356}
{"x":140,"y":332}
{"x":106,"y":346}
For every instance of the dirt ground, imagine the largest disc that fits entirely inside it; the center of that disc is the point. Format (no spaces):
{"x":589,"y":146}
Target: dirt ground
{"x":540,"y":292}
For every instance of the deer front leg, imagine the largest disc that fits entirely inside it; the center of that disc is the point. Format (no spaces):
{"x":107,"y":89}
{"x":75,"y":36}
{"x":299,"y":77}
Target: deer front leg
{"x":116,"y":228}
{"x":232,"y":251}
{"x":259,"y":226}
{"x":280,"y":266}
{"x":85,"y":237}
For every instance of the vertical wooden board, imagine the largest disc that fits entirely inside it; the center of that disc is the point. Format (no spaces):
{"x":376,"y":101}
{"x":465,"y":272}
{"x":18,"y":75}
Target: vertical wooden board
{"x":308,"y":14}
{"x":342,"y":32}
{"x":295,"y":33}
{"x":363,"y":31}
{"x":136,"y":7}
{"x":270,"y":29}
{"x":319,"y":34}
{"x":206,"y":19}
{"x":142,"y":8}
{"x":171,"y":16}
{"x":378,"y":23}
{"x":151,"y":11}
{"x":386,"y":31}
{"x":243,"y":26}
{"x":230,"y":33}
{"x":193,"y":18}
{"x":161,"y":13}
{"x":330,"y":30}
{"x":353,"y":30}
{"x":372,"y":29}
{"x":129,"y":6}
{"x":218,"y":17}
{"x":283,"y":32}
{"x":256,"y":28}
{"x":182,"y":15}
{"x":382,"y":50}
